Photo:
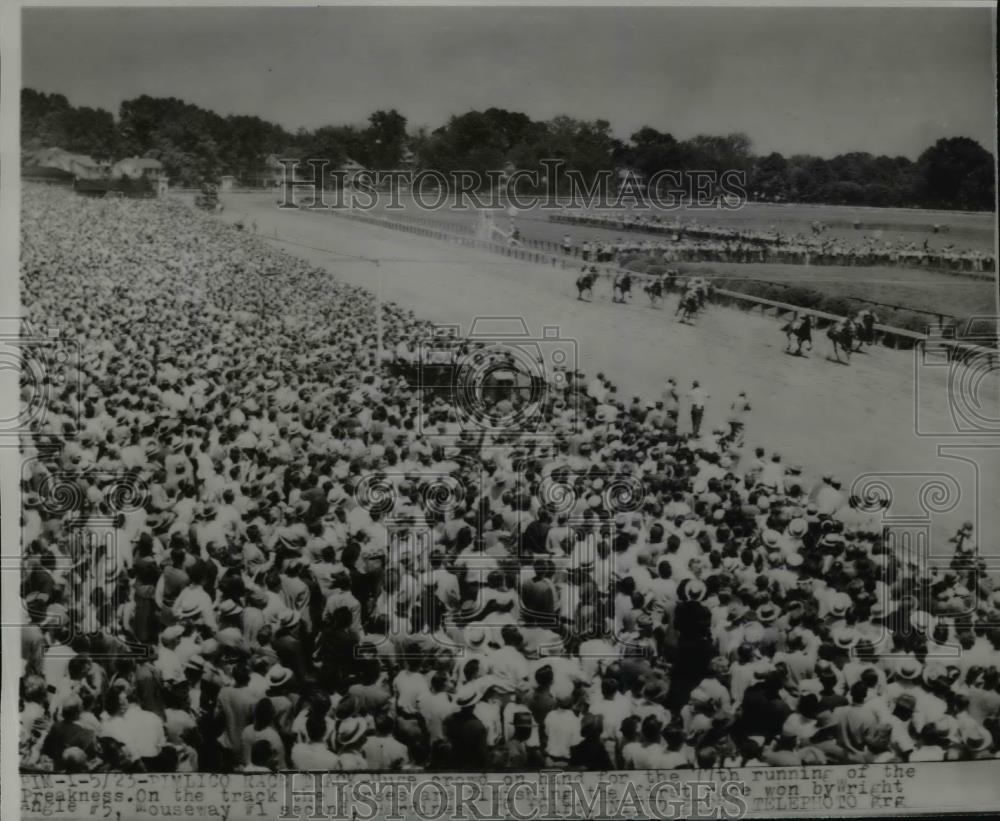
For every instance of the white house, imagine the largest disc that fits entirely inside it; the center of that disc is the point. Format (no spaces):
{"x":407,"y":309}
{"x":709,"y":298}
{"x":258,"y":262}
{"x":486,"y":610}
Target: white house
{"x":137,"y":168}
{"x":79,"y":165}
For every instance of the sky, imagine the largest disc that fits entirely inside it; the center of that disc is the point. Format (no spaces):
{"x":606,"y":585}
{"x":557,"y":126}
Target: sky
{"x":795,"y":80}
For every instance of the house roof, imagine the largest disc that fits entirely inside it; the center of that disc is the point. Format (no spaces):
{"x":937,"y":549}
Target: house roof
{"x":59,"y":158}
{"x":141,"y":162}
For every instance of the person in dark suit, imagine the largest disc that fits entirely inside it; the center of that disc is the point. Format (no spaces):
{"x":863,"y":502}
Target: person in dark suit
{"x":466,"y":733}
{"x":764,"y":712}
{"x":538,"y":596}
{"x":590,"y":754}
{"x":70,"y":733}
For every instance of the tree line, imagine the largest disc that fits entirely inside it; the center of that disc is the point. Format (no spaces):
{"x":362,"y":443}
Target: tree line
{"x":195,"y":144}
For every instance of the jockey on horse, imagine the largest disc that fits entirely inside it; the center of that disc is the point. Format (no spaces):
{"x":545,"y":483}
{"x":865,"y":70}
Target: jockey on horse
{"x":687,"y":307}
{"x":799,"y":329}
{"x":585,"y":282}
{"x":700,"y":289}
{"x":655,"y":289}
{"x":865,"y":320}
{"x":622,"y":288}
{"x":842,"y":336}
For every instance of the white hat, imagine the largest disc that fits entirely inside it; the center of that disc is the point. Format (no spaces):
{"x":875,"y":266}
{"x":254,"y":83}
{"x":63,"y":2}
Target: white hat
{"x":229,"y":608}
{"x":351,"y":730}
{"x":468,"y":694}
{"x":475,"y":636}
{"x":840,"y":604}
{"x":175,"y":631}
{"x":845,"y":638}
{"x":278,"y":675}
{"x":810,"y":685}
{"x":694,"y":590}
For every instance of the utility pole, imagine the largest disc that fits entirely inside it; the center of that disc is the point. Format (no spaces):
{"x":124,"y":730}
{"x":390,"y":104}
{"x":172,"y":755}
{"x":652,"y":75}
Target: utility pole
{"x":378,"y":323}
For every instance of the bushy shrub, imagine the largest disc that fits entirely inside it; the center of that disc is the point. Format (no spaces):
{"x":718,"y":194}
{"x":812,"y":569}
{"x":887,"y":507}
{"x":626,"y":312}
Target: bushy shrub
{"x":909,"y":321}
{"x":806,"y":297}
{"x":839,"y":306}
{"x":798,"y":295}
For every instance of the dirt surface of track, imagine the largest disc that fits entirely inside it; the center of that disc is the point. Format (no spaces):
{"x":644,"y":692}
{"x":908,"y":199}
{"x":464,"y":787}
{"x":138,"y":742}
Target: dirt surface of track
{"x":852,"y":420}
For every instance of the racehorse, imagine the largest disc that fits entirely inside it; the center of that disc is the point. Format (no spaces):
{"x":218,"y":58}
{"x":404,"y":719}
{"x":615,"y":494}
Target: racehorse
{"x":865,"y":324}
{"x":842,"y":337}
{"x":585,"y":282}
{"x":622,"y":289}
{"x":701,"y":291}
{"x":799,"y":330}
{"x":688,"y":306}
{"x":654,"y":290}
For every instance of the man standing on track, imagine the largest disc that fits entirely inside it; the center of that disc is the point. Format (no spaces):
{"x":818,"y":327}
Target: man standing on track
{"x":567,"y":244}
{"x":670,"y":398}
{"x":737,"y":416}
{"x":698,"y":397}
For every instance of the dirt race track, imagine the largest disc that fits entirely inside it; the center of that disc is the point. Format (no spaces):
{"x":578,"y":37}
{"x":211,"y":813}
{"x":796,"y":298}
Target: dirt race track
{"x":908,"y":287}
{"x":852,"y":420}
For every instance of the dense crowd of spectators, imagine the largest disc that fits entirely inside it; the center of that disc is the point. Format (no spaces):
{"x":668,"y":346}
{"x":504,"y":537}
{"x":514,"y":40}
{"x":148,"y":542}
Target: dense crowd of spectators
{"x":695,"y":242}
{"x":305,"y":562}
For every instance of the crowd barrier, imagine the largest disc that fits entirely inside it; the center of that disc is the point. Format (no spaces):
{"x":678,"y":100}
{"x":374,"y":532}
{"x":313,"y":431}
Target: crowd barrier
{"x":887,"y":335}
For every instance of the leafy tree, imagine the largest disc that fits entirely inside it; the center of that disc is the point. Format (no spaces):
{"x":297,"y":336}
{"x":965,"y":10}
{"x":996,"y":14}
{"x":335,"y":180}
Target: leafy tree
{"x":194,"y":144}
{"x":770,"y":177}
{"x":956,"y":173}
{"x":384,"y":140}
{"x":652,"y":151}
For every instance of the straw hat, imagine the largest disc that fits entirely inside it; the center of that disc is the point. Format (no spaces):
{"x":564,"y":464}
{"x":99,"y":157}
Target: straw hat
{"x":468,"y":694}
{"x":278,"y":675}
{"x":351,"y":731}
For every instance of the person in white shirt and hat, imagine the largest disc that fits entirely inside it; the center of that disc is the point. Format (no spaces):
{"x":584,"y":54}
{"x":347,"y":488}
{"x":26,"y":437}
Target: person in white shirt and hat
{"x":830,"y":499}
{"x":167,"y":661}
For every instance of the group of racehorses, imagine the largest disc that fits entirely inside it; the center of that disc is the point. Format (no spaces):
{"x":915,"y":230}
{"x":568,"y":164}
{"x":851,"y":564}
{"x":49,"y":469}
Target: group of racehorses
{"x":847,"y":336}
{"x":692,"y":299}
